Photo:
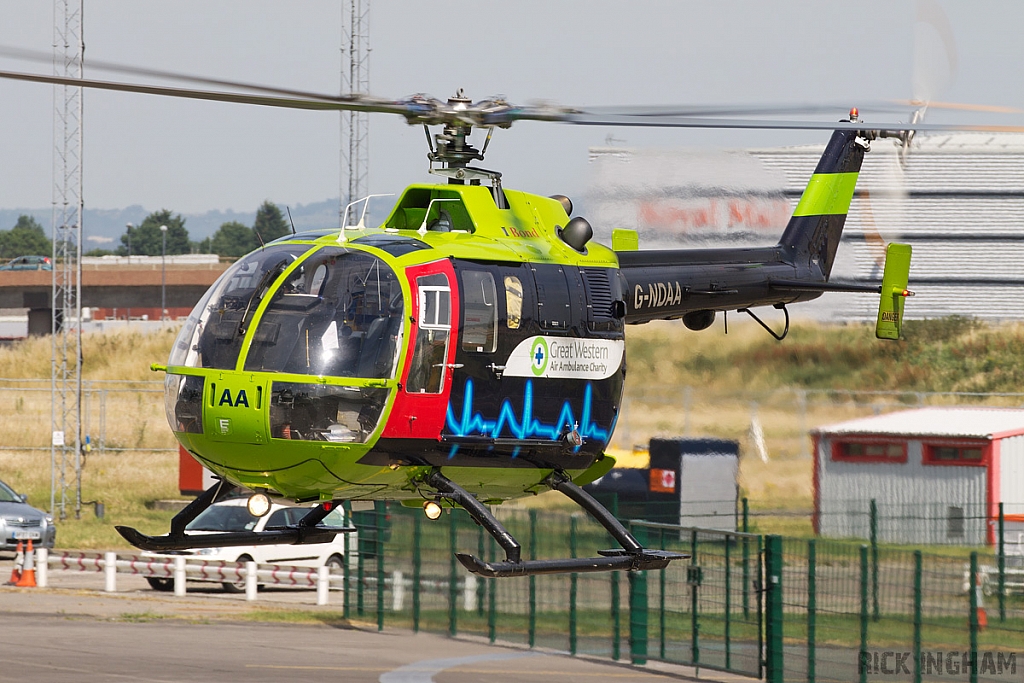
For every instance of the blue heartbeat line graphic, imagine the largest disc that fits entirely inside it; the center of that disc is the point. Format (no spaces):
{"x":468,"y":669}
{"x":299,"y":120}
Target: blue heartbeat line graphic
{"x":529,"y":427}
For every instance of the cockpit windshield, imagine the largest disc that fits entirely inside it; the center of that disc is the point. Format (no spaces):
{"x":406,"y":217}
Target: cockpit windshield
{"x":338,"y":314}
{"x":212,"y":336}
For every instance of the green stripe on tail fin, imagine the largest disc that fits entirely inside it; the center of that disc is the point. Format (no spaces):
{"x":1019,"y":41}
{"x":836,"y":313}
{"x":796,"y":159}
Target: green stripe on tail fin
{"x":894,"y":291}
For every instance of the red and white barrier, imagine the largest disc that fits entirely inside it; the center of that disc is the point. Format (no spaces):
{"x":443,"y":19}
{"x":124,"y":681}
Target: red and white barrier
{"x":182,"y":568}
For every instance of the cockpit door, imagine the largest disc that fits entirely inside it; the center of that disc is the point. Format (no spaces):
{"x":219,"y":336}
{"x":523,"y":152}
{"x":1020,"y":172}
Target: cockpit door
{"x":422,"y":401}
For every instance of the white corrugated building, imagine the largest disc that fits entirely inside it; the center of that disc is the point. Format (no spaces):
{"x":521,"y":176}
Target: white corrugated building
{"x":958,"y":200}
{"x":937,"y":475}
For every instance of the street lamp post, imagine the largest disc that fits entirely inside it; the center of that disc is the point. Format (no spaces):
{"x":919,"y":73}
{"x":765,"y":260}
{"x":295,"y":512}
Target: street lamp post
{"x":130,"y":226}
{"x":163,"y":273}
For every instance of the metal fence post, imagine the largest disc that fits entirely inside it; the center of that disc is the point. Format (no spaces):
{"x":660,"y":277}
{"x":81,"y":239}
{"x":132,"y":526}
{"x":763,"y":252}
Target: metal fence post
{"x":773,"y":609}
{"x":481,"y":586}
{"x":361,"y":569}
{"x":863,"y":657}
{"x":661,"y":602}
{"x":346,"y":573}
{"x":638,"y":607}
{"x":746,"y":561}
{"x":103,"y":421}
{"x":973,"y":618}
{"x":532,"y":629}
{"x":917,"y":615}
{"x":573,"y":585}
{"x":616,"y":635}
{"x":492,"y":597}
{"x":379,"y":522}
{"x":812,"y":607}
{"x":728,"y":601}
{"x":874,"y":560}
{"x":1001,"y":561}
{"x":417,"y":561}
{"x":453,"y":577}
{"x":694,"y":581}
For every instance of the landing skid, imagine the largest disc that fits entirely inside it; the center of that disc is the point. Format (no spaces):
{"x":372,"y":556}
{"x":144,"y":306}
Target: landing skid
{"x":305,"y":532}
{"x":630,"y":557}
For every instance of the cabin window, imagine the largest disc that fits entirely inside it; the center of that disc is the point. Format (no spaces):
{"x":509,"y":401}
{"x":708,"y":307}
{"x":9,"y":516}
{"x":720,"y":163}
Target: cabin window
{"x":183,"y":399}
{"x":427,"y":370}
{"x":339,"y":314}
{"x":953,"y":455}
{"x":318,"y":412}
{"x":873,"y":451}
{"x":212,"y":336}
{"x":479,"y":312}
{"x":513,"y":302}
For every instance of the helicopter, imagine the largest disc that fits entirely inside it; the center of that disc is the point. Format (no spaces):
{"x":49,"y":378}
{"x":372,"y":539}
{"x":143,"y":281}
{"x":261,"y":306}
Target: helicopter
{"x":470,"y":349}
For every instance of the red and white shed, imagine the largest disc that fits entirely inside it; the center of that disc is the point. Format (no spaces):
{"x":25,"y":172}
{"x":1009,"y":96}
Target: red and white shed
{"x":937,"y":475}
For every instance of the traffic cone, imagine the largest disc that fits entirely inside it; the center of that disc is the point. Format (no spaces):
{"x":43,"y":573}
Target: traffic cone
{"x":28,"y":574}
{"x":19,"y":563}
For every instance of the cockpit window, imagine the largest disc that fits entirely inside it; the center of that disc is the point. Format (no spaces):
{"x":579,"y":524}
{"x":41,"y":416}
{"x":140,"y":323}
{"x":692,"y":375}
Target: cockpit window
{"x":212,"y":336}
{"x":339,"y":314}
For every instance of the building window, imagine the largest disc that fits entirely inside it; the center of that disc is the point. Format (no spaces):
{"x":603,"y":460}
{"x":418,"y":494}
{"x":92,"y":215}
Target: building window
{"x":875,"y":451}
{"x":953,"y":455}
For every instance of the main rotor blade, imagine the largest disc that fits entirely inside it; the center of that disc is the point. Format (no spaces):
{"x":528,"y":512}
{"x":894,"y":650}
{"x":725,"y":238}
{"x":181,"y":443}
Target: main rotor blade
{"x":580,"y":118}
{"x":326,"y":102}
{"x":746,"y":110}
{"x":44,"y":57}
{"x":423,"y":109}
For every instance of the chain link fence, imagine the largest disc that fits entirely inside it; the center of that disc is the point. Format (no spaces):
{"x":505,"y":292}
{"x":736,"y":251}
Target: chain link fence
{"x":761,"y":606}
{"x":117,"y":416}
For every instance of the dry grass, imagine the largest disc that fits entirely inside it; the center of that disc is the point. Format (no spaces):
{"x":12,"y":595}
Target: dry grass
{"x":126,"y":483}
{"x":128,"y":412}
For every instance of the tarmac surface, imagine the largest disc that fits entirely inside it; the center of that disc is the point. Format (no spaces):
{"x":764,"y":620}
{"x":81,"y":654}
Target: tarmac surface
{"x":74,"y":631}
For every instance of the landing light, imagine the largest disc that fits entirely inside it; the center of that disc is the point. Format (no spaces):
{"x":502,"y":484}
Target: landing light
{"x":258,"y":504}
{"x":432,"y":510}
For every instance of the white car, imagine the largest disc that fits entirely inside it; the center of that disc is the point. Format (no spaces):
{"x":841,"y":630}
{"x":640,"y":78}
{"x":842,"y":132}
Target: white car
{"x":233,"y":515}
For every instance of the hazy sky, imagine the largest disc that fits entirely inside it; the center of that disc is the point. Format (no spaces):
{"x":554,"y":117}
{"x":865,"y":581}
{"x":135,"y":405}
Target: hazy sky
{"x":194,"y":156}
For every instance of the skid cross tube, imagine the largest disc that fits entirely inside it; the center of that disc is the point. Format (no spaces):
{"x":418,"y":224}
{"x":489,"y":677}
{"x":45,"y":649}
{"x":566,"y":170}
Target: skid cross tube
{"x":204,"y":500}
{"x":631,"y":557}
{"x":479,"y":512}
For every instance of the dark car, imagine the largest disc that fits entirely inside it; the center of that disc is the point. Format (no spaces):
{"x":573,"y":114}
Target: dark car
{"x":28,"y":263}
{"x":19,"y":521}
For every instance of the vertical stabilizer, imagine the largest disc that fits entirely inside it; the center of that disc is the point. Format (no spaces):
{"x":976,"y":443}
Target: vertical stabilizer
{"x":817,"y":223}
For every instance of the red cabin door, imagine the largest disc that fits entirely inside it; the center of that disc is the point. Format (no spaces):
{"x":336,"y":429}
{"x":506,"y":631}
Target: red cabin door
{"x":422,"y":401}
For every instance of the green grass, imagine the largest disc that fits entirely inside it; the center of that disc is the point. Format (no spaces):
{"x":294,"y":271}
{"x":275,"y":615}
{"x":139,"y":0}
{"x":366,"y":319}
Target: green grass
{"x":296,"y":616}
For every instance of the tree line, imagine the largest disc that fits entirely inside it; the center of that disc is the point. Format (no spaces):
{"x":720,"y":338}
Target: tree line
{"x":232,"y":239}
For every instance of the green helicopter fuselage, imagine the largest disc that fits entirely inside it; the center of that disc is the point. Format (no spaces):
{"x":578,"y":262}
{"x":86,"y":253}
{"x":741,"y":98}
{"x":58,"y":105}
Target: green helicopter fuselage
{"x":338,"y":364}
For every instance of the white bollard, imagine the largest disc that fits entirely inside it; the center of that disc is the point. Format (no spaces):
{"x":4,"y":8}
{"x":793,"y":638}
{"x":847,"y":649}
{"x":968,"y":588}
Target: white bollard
{"x":250,"y":581}
{"x":179,"y":575}
{"x":469,"y":592}
{"x":110,"y":572}
{"x":323,"y":584}
{"x":41,"y":573}
{"x":397,"y":591}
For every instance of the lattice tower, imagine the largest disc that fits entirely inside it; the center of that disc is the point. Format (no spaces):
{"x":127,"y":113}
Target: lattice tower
{"x":66,"y":345}
{"x":355,"y":78}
